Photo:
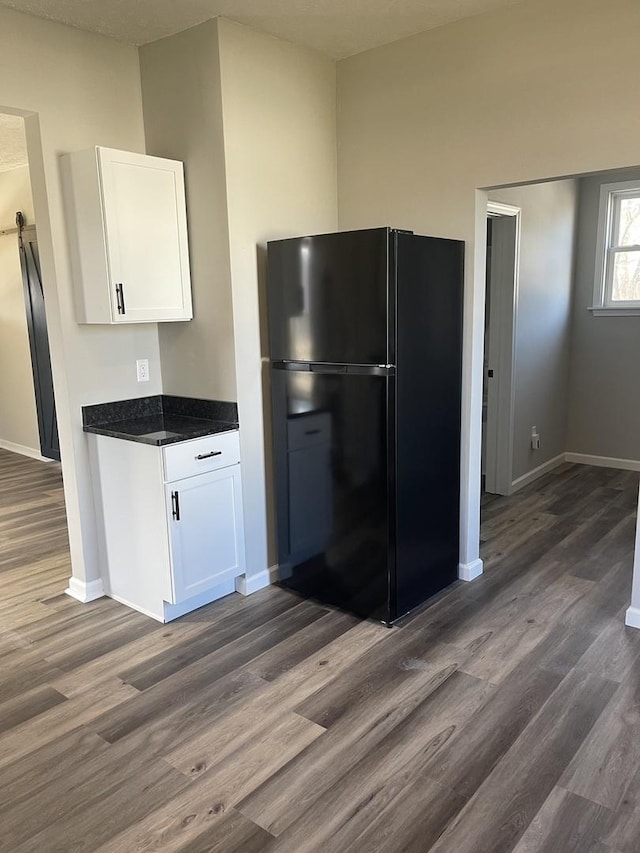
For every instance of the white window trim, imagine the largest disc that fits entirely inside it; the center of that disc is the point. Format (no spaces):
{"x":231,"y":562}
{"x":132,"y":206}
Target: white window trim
{"x":603,"y":306}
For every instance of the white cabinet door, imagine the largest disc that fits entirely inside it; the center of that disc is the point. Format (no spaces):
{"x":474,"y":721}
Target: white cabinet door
{"x":206,"y":530}
{"x":146,"y":237}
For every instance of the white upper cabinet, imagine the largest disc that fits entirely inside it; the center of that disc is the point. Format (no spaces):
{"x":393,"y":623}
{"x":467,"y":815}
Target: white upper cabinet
{"x":127,"y":226}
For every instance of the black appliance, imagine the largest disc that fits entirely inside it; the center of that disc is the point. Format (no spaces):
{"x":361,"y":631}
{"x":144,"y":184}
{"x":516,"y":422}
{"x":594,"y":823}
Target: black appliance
{"x":365,"y":351}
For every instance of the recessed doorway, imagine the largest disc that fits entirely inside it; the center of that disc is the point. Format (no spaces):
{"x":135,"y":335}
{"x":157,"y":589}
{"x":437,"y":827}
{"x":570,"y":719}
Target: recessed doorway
{"x":503,"y":240}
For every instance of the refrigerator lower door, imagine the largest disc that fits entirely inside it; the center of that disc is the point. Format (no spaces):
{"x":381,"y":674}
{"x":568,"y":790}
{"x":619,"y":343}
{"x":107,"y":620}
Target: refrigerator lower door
{"x":331,"y":445}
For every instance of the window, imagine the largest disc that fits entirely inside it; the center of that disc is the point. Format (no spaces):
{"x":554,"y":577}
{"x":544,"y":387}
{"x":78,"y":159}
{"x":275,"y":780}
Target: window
{"x":617,"y":274}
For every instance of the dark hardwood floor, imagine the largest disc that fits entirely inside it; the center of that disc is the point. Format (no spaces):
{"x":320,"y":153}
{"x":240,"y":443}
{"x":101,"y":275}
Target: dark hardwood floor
{"x":504,"y":717}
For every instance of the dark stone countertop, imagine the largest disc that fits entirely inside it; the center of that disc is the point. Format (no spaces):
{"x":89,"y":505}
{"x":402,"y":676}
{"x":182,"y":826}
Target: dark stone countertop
{"x":161,"y":419}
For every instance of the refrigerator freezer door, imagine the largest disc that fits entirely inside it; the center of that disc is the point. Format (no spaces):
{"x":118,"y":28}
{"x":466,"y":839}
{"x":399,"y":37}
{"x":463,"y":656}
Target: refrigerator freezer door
{"x":328,"y":298}
{"x":331,"y":458}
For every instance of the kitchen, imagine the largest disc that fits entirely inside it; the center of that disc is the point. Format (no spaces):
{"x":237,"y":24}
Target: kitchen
{"x":237,"y":201}
{"x":203,"y":743}
{"x":217,"y":354}
{"x":166,"y":470}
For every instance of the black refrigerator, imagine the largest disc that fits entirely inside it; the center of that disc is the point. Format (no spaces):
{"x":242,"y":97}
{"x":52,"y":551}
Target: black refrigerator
{"x":365,"y":337}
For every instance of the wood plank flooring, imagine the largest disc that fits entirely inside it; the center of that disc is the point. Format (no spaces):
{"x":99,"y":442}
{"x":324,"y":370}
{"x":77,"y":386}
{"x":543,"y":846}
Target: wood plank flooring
{"x":504,"y":717}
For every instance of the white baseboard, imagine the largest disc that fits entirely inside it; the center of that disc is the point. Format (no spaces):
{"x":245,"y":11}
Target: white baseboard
{"x":23,"y":450}
{"x":470,"y":571}
{"x":632,"y":617}
{"x":85,"y":591}
{"x":578,"y":459}
{"x":246,"y":585}
{"x":603,"y":461}
{"x":540,"y":471}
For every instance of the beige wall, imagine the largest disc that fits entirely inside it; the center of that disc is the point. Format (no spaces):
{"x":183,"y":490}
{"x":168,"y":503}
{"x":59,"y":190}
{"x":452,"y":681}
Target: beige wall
{"x":543,"y":318}
{"x":538,"y":90}
{"x":604,"y":399}
{"x":183,"y":120}
{"x":18,"y":416}
{"x":278,"y":110}
{"x":529,"y":92}
{"x":78,"y":90}
{"x":279,"y":133}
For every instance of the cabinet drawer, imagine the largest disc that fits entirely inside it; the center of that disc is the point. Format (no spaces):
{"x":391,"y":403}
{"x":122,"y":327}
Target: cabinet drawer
{"x":308,"y":430}
{"x":189,"y":458}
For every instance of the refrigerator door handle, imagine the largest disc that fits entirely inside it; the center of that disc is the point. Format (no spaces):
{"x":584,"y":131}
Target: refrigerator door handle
{"x":329,"y":368}
{"x":291,"y":365}
{"x":372,"y":369}
{"x":323,"y":367}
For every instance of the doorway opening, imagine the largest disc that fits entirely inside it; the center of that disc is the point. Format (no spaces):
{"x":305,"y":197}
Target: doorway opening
{"x":34,"y":558}
{"x":38,"y":338}
{"x":501,"y":300}
{"x":28,"y":423}
{"x":561,"y":403}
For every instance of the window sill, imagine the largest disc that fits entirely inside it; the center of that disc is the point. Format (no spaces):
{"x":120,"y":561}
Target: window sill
{"x":610,"y":311}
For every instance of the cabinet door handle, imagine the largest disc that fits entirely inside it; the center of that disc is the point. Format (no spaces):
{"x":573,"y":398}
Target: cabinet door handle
{"x":209,"y":455}
{"x":175,"y":506}
{"x":120,"y":298}
{"x":311,"y":431}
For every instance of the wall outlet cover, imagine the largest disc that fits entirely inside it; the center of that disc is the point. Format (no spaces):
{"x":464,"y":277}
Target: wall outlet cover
{"x":142,"y":369}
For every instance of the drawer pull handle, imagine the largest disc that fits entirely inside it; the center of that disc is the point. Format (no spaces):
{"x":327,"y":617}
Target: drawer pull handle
{"x":175,"y":506}
{"x":120,"y":298}
{"x":311,"y":431}
{"x":209,"y":455}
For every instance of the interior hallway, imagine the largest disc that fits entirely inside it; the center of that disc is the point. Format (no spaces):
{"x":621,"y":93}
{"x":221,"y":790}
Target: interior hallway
{"x":504,"y":717}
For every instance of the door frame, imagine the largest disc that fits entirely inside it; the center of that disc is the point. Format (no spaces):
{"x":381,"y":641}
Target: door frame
{"x":504,"y":284}
{"x":85,"y":583}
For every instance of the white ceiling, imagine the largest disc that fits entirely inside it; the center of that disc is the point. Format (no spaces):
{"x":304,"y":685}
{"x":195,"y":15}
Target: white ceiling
{"x":338,"y":28}
{"x":13,"y":147}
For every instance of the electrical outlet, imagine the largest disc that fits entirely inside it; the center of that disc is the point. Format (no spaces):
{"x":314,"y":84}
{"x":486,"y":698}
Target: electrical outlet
{"x":142,"y":369}
{"x":535,"y":439}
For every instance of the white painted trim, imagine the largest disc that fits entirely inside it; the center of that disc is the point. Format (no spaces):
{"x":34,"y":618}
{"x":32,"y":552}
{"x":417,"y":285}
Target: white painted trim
{"x":500,"y":209}
{"x":472,"y":371}
{"x":632,"y":617}
{"x":247,"y":585}
{"x":599,"y":273}
{"x":534,"y":474}
{"x":633,"y":613}
{"x":603,"y":461}
{"x":85,"y":591}
{"x":610,"y":311}
{"x":470,"y":571}
{"x":608,"y":211}
{"x":23,"y":450}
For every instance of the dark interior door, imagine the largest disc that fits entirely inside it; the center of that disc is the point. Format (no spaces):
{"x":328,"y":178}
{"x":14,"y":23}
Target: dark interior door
{"x":39,"y":344}
{"x":331,"y":465}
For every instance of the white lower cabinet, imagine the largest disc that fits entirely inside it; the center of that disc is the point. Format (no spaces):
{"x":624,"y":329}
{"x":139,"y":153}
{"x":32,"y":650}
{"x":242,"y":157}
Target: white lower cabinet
{"x":172,"y":537}
{"x":204,"y":517}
